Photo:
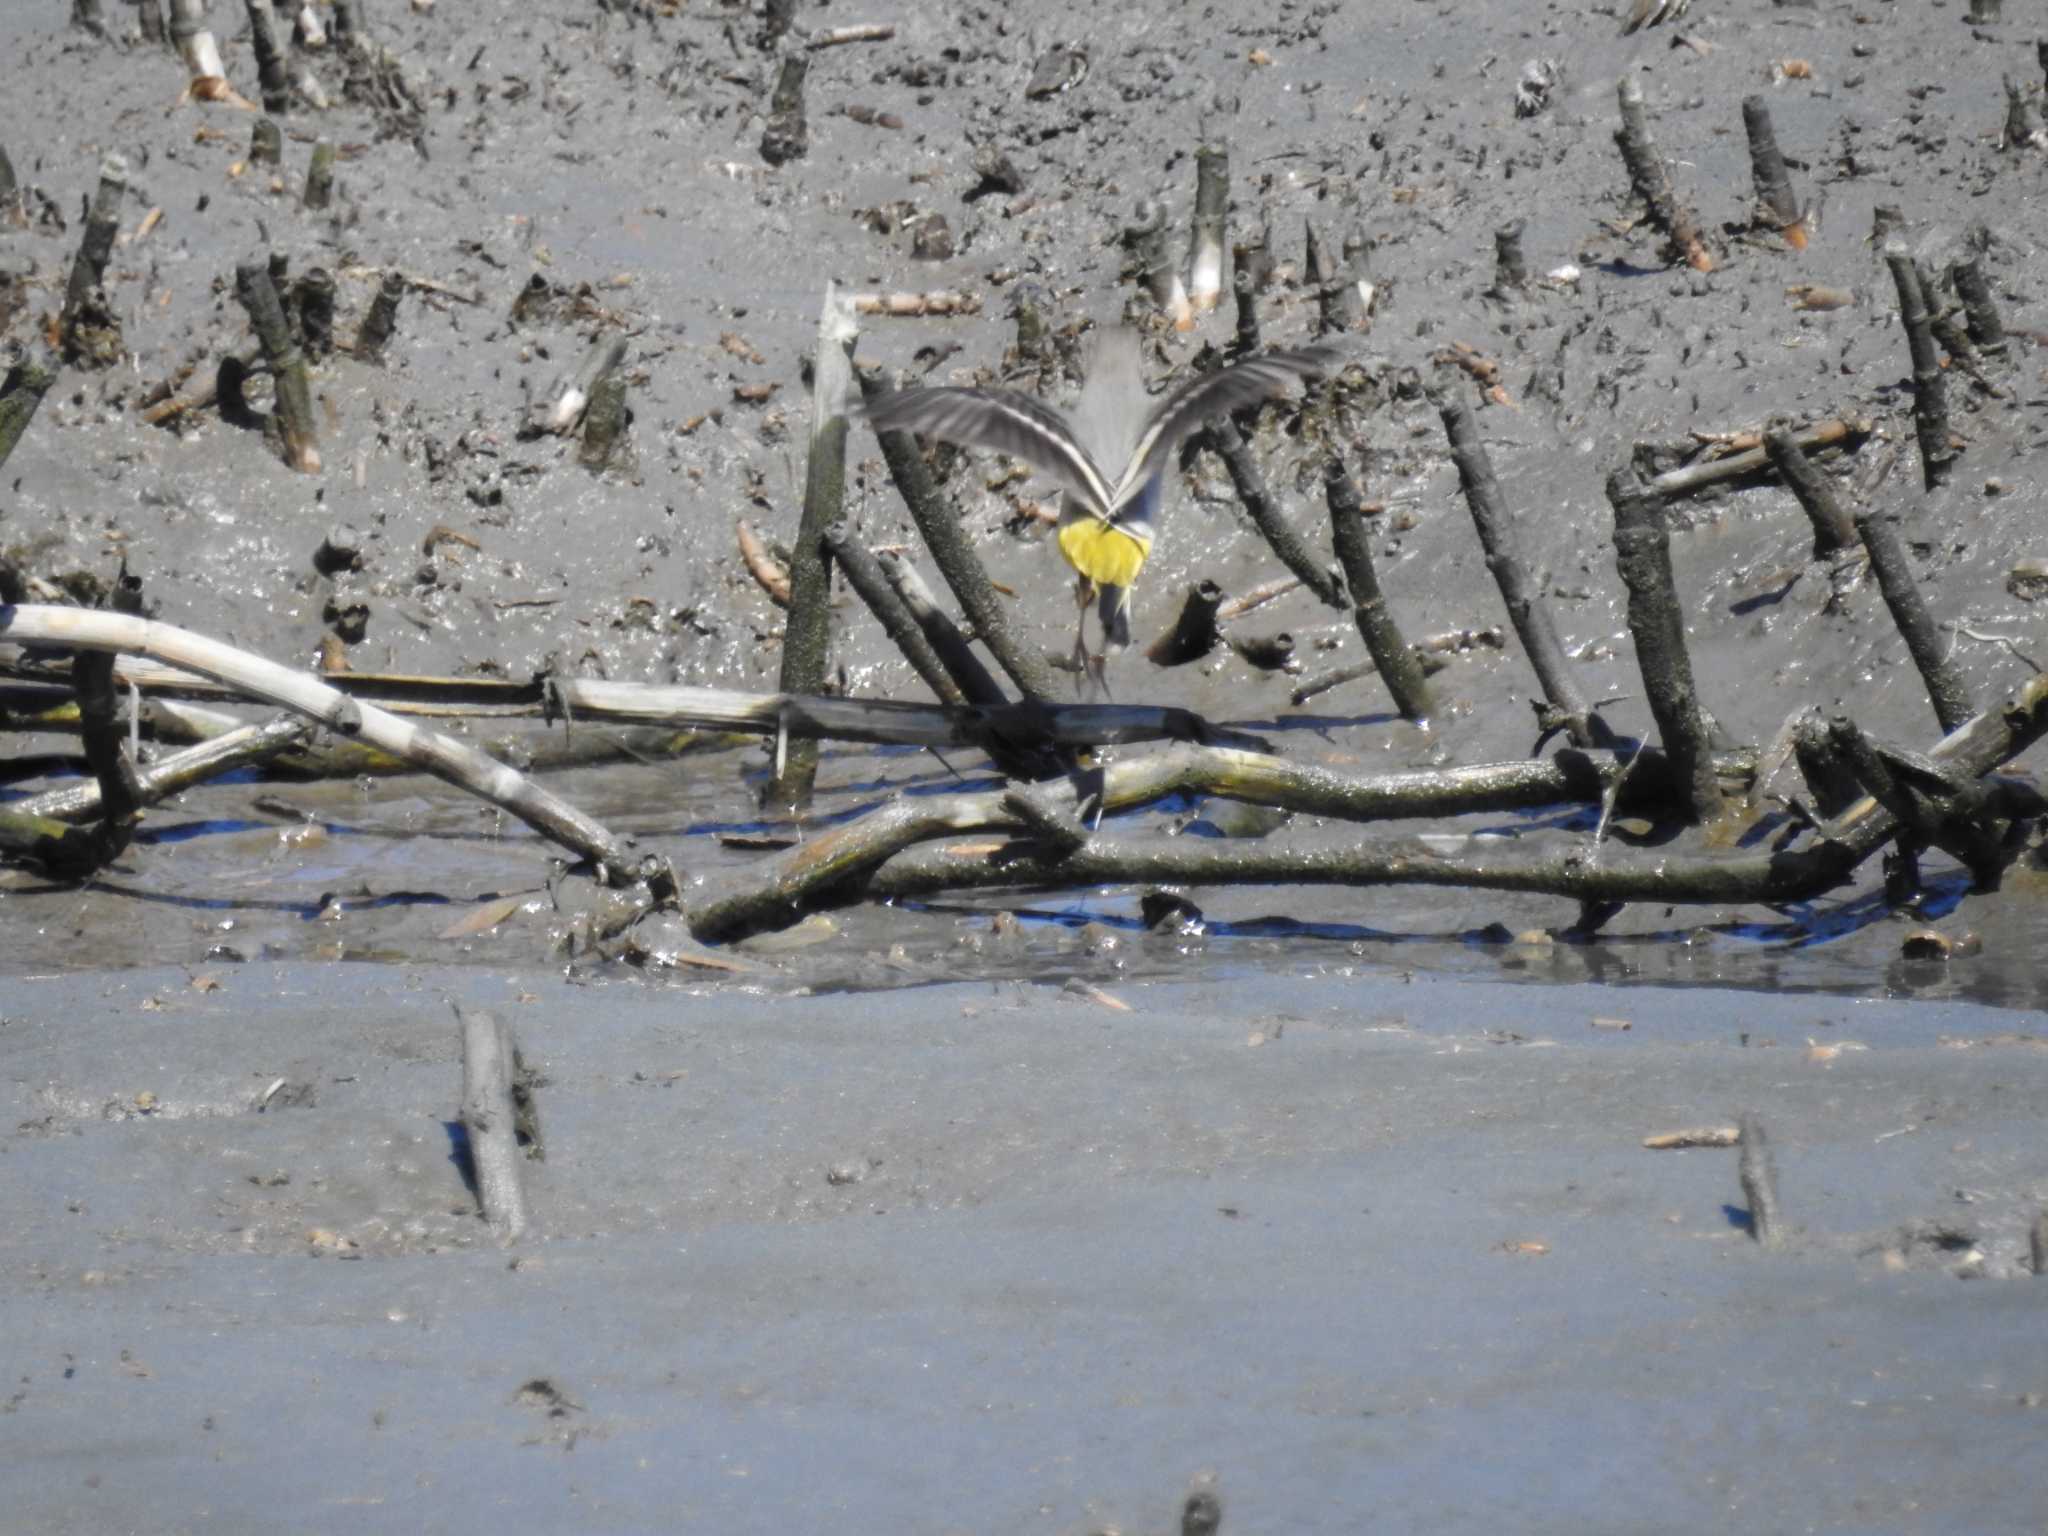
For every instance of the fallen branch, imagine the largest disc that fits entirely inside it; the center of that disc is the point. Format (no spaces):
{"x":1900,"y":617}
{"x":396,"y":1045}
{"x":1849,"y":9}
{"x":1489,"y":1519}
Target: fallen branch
{"x":916,"y":305}
{"x":239,"y":748}
{"x":442,"y":756}
{"x":888,"y":722}
{"x":836,"y":37}
{"x":1845,"y":433}
{"x":849,"y":864}
{"x":814,"y":873}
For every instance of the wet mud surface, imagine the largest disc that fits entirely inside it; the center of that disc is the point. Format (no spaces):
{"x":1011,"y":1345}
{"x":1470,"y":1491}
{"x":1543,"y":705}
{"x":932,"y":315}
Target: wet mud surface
{"x":954,"y":1244}
{"x":1003,"y":1258}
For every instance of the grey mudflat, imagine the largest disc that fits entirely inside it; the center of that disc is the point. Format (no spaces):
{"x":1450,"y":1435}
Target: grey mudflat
{"x":1372,"y":1254}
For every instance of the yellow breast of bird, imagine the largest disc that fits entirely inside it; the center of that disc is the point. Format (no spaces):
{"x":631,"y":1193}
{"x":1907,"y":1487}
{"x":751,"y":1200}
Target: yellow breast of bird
{"x":1107,"y":555}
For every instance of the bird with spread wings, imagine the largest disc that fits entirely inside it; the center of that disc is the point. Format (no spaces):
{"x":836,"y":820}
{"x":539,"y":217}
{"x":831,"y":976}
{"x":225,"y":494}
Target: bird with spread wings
{"x":1109,"y":454}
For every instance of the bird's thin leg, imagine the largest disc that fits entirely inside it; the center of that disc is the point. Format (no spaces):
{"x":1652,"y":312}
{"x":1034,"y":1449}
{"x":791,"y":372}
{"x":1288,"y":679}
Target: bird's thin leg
{"x":1091,"y":670}
{"x":1084,"y":594}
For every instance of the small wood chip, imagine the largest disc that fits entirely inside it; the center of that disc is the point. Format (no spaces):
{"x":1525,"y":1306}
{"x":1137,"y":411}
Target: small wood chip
{"x":1815,"y":296}
{"x":762,"y":566}
{"x":1699,"y":1136}
{"x":1076,"y":987}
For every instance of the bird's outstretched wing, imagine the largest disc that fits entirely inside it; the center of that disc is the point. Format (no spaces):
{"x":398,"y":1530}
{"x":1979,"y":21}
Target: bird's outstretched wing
{"x":1001,"y":419}
{"x":1213,"y":395}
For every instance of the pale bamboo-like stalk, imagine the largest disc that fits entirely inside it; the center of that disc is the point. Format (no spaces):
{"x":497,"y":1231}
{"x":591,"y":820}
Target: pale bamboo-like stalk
{"x":440,"y":755}
{"x":195,"y":41}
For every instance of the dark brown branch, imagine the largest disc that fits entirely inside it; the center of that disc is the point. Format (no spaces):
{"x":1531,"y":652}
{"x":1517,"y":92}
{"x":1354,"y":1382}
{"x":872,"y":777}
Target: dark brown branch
{"x":1244,"y":288}
{"x":1642,"y":554}
{"x":787,"y":135}
{"x":1652,"y":183}
{"x":1980,"y":310}
{"x":271,"y":74}
{"x":1777,"y":204}
{"x":1833,"y":529}
{"x":381,"y":319}
{"x":87,"y":325}
{"x":866,"y":578}
{"x":1230,"y":445}
{"x":1946,"y":689}
{"x":1934,"y":808}
{"x":297,"y":433}
{"x":20,"y":393}
{"x":1829,"y":779}
{"x":99,"y":730}
{"x":1518,"y":589}
{"x":1930,"y":390}
{"x":313,"y":298}
{"x":1398,"y":664}
{"x":266,"y":142}
{"x":807,"y":634}
{"x":975,"y":682}
{"x":940,"y":524}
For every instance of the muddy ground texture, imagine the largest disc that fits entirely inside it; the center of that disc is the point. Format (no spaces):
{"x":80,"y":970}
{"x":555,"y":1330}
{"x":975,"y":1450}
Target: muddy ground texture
{"x":970,"y":1258}
{"x":612,"y":156}
{"x":1028,"y":1224}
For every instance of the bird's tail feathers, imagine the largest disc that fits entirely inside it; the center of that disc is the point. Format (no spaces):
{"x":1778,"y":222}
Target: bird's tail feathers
{"x":1113,"y":607}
